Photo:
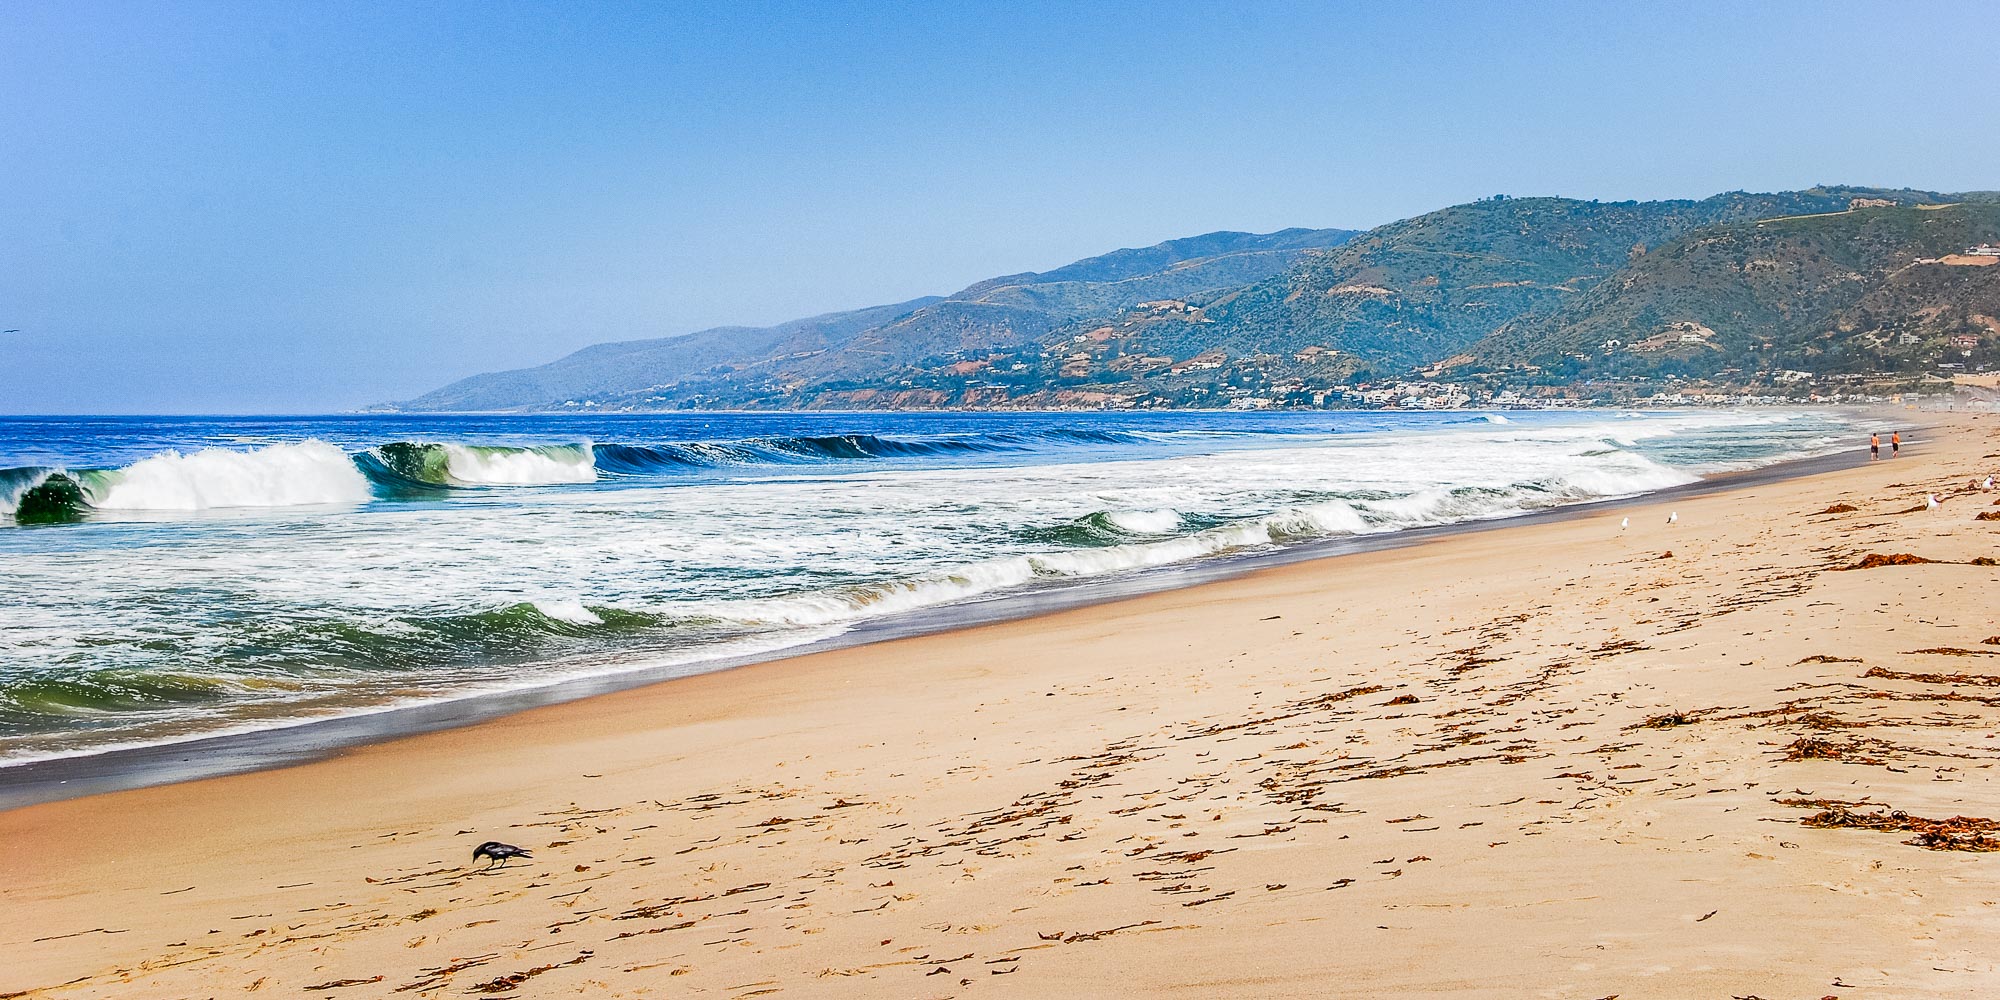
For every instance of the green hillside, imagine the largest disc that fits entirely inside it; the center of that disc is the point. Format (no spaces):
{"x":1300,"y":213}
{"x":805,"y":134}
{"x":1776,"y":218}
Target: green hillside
{"x":1426,"y":288}
{"x":1835,"y":293}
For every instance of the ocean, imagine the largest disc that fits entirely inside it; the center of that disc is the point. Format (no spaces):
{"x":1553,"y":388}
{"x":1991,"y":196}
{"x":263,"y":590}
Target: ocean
{"x":168,"y":578}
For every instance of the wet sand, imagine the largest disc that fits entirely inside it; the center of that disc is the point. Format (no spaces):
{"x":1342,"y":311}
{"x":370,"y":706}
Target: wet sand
{"x":1554,"y":759}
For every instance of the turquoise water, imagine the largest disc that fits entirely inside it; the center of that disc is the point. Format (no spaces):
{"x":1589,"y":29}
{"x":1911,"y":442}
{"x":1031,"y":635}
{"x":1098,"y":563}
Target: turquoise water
{"x":167,"y":578}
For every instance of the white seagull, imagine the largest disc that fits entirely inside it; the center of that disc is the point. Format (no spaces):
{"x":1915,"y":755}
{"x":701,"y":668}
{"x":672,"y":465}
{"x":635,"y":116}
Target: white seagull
{"x":1673,"y":516}
{"x":1623,"y":523}
{"x":1931,"y":501}
{"x":1988,"y":484}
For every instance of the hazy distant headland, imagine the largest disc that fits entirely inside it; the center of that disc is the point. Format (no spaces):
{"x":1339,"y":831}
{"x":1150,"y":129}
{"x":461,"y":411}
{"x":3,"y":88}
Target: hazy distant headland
{"x":1827,"y":294}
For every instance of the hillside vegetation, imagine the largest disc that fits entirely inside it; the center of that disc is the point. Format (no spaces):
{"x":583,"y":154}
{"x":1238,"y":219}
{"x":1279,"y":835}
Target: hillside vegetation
{"x":1857,"y":291}
{"x":1824,"y":280}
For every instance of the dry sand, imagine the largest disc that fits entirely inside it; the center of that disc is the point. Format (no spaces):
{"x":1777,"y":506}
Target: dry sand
{"x":1557,"y":760}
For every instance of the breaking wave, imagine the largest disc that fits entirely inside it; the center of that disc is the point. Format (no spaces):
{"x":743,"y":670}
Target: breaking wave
{"x":279,"y":475}
{"x":1116,"y":527}
{"x":440,"y":464}
{"x":38,"y":495}
{"x":1008,"y":573}
{"x":314,"y":472}
{"x":17,"y":481}
{"x":307,"y":473}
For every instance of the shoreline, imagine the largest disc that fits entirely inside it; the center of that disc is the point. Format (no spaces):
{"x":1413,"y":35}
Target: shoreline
{"x":290,"y":743}
{"x":1552,"y":758}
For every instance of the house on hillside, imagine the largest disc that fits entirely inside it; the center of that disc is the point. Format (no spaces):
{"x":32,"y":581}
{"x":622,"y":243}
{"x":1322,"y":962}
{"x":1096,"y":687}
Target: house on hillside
{"x":1201,"y":362}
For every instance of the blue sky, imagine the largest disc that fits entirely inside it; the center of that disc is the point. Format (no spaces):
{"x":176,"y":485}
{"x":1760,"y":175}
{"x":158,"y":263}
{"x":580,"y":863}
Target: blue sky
{"x":268,"y":207}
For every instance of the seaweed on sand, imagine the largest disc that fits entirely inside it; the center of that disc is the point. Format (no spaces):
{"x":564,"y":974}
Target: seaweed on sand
{"x":1876,"y":560}
{"x":1669,"y":721}
{"x":1958,"y":833}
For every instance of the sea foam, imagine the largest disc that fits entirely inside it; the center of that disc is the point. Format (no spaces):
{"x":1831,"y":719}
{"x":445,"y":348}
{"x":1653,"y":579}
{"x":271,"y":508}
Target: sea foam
{"x":279,"y":475}
{"x":441,"y":564}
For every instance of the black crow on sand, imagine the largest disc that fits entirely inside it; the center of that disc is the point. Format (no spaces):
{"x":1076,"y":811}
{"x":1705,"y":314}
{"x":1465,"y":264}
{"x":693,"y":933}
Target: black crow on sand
{"x":498,"y":853}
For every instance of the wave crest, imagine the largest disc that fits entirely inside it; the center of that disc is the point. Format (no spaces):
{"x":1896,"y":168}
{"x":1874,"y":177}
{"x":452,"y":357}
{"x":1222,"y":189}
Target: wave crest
{"x":444,"y":464}
{"x":314,"y":472}
{"x":38,"y":495}
{"x":279,"y":475}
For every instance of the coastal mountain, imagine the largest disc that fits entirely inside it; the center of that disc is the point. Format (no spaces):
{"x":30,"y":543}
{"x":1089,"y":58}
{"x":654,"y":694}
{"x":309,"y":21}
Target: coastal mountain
{"x":606,"y":370}
{"x":1827,"y":279}
{"x":729,"y":364}
{"x":1422,"y":289}
{"x":1874,"y":288}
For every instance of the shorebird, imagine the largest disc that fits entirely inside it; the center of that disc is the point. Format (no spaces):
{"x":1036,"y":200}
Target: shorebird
{"x":498,"y":853}
{"x":1988,"y":484}
{"x":1673,"y":516}
{"x":1931,"y":501}
{"x":1623,"y":523}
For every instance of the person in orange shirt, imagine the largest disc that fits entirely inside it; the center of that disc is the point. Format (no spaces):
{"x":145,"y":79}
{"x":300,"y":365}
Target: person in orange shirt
{"x":1874,"y":447}
{"x":1895,"y":444}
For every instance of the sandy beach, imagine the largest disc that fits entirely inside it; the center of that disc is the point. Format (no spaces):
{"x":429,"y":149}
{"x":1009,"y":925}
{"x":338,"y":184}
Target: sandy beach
{"x":1744,"y":754}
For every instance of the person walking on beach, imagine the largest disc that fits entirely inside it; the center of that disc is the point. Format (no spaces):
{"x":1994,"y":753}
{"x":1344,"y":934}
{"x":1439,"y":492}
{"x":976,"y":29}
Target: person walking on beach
{"x":1874,"y":447}
{"x":1895,"y":443}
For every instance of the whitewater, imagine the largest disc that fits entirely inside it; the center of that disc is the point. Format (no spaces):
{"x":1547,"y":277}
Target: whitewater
{"x":165,"y":579}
